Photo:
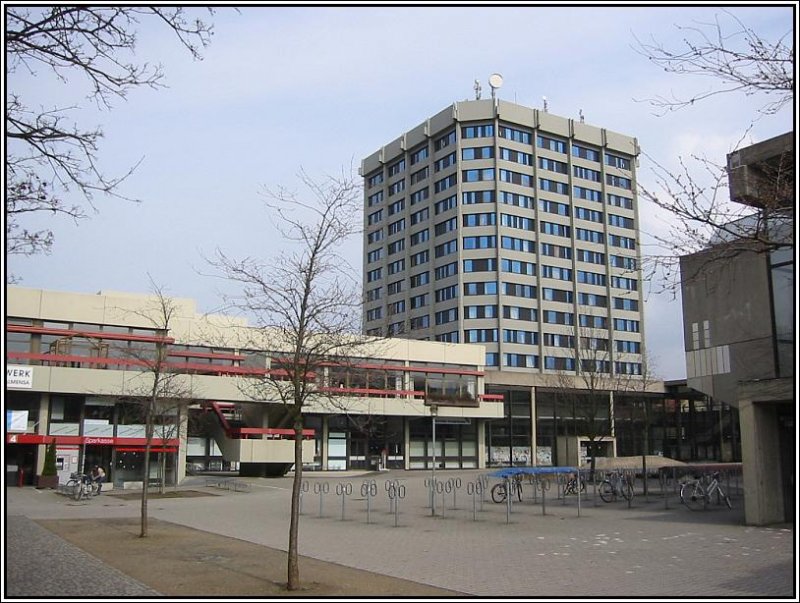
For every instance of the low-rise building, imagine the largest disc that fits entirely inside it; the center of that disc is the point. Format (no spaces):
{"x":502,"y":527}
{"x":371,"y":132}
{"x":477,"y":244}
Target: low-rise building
{"x":80,"y":366}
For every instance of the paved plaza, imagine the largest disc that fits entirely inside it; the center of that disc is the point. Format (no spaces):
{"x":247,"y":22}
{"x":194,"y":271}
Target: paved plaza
{"x":654,"y":549}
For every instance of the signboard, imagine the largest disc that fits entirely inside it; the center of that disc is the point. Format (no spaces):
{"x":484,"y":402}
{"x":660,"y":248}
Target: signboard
{"x":19,"y":376}
{"x":61,"y":440}
{"x":17,"y":420}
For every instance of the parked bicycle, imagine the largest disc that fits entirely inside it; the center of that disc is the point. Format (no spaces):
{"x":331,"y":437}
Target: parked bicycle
{"x":80,"y":486}
{"x":696,"y":494}
{"x":614,"y":485}
{"x":499,"y":491}
{"x":572,"y":484}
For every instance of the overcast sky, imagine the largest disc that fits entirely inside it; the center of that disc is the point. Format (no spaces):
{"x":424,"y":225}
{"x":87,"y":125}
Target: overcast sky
{"x":281,"y":89}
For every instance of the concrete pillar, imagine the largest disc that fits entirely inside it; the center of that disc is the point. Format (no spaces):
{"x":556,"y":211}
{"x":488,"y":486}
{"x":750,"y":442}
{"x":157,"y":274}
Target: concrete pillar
{"x":761,"y":472}
{"x":481,"y":434}
{"x":611,"y":415}
{"x":324,"y":444}
{"x":406,"y":444}
{"x":42,"y":428}
{"x":183,"y":444}
{"x":534,"y":459}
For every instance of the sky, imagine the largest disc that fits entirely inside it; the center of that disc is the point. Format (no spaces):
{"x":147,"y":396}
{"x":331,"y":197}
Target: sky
{"x":319,"y":88}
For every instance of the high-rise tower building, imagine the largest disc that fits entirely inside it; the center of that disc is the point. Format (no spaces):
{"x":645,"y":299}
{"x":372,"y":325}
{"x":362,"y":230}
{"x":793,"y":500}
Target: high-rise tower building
{"x":508,"y":226}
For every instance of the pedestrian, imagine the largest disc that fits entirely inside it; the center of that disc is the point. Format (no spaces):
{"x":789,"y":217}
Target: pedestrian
{"x":98,"y":477}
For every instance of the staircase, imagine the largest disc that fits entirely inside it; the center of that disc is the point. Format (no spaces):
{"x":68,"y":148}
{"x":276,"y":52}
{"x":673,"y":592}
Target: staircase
{"x":260,"y":451}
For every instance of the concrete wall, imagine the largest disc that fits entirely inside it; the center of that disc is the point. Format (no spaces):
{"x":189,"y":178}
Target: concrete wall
{"x":731,"y":297}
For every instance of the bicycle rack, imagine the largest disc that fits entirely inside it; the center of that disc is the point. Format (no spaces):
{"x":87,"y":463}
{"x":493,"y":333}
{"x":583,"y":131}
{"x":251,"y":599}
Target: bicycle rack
{"x":396,"y":492}
{"x":476,"y":490}
{"x":344,"y":490}
{"x":369,"y":489}
{"x":321,"y":488}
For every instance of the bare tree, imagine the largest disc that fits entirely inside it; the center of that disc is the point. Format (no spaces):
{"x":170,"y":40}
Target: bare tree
{"x":733,"y":54}
{"x":306,"y":304}
{"x":157,"y":391}
{"x":587,"y":389}
{"x":48,"y":155}
{"x":597,"y":375}
{"x":695,"y":194}
{"x":641,"y":388}
{"x":703,"y":218}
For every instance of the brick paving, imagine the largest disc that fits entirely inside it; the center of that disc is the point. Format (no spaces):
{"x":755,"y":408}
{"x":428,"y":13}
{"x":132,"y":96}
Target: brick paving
{"x":40,"y":564}
{"x":609,"y":551}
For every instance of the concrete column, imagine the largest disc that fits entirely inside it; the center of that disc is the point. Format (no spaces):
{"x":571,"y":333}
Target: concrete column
{"x":611,"y":414}
{"x":183,"y":444}
{"x":761,"y":473}
{"x":481,"y":431}
{"x":534,"y":460}
{"x":406,"y":444}
{"x":324,"y":444}
{"x":42,"y":428}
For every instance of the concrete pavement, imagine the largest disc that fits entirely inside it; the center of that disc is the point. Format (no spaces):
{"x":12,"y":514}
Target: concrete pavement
{"x":609,"y":551}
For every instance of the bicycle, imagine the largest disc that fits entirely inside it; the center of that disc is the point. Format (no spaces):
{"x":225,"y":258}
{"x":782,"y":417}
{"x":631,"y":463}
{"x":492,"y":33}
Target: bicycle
{"x":696,"y":495}
{"x":80,"y":486}
{"x":616,"y":484}
{"x":571,"y":485}
{"x":499,"y":490}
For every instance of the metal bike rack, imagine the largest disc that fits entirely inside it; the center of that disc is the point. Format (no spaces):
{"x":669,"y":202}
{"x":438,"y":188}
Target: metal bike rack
{"x":321,"y":488}
{"x":344,"y":490}
{"x":396,"y":492}
{"x":475,"y":490}
{"x":369,"y":490}
{"x":304,"y":487}
{"x":456,"y":481}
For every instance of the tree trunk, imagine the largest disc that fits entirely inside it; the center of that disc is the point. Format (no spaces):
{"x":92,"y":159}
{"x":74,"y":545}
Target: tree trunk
{"x":163,"y":467}
{"x":293,"y":581}
{"x":645,"y":446}
{"x":146,"y":477}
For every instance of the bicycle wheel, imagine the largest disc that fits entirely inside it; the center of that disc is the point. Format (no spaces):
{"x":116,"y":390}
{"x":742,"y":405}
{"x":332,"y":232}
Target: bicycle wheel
{"x":499,"y":493}
{"x":519,"y":491}
{"x":69,"y":487}
{"x":627,"y":489}
{"x":725,"y":498}
{"x":606,"y":491}
{"x":569,"y":487}
{"x":693,"y":496}
{"x":78,"y":493}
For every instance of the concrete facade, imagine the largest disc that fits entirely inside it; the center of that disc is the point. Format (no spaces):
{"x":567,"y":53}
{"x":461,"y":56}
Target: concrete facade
{"x":739,"y":320}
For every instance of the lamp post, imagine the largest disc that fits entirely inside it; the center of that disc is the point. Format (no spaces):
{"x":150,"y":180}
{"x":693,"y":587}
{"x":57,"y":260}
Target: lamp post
{"x":434,"y":411}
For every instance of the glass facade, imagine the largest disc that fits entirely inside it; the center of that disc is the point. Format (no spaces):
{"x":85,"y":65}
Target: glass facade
{"x":456,"y":443}
{"x":783,"y":309}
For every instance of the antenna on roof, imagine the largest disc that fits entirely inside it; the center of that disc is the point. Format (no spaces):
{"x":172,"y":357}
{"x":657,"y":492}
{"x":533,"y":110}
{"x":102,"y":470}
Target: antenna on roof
{"x":495,"y":81}
{"x":477,"y":88}
{"x":580,"y":114}
{"x":544,"y":103}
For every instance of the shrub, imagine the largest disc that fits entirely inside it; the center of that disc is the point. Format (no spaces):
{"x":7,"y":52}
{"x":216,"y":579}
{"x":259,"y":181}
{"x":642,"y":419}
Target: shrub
{"x":50,"y":460}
